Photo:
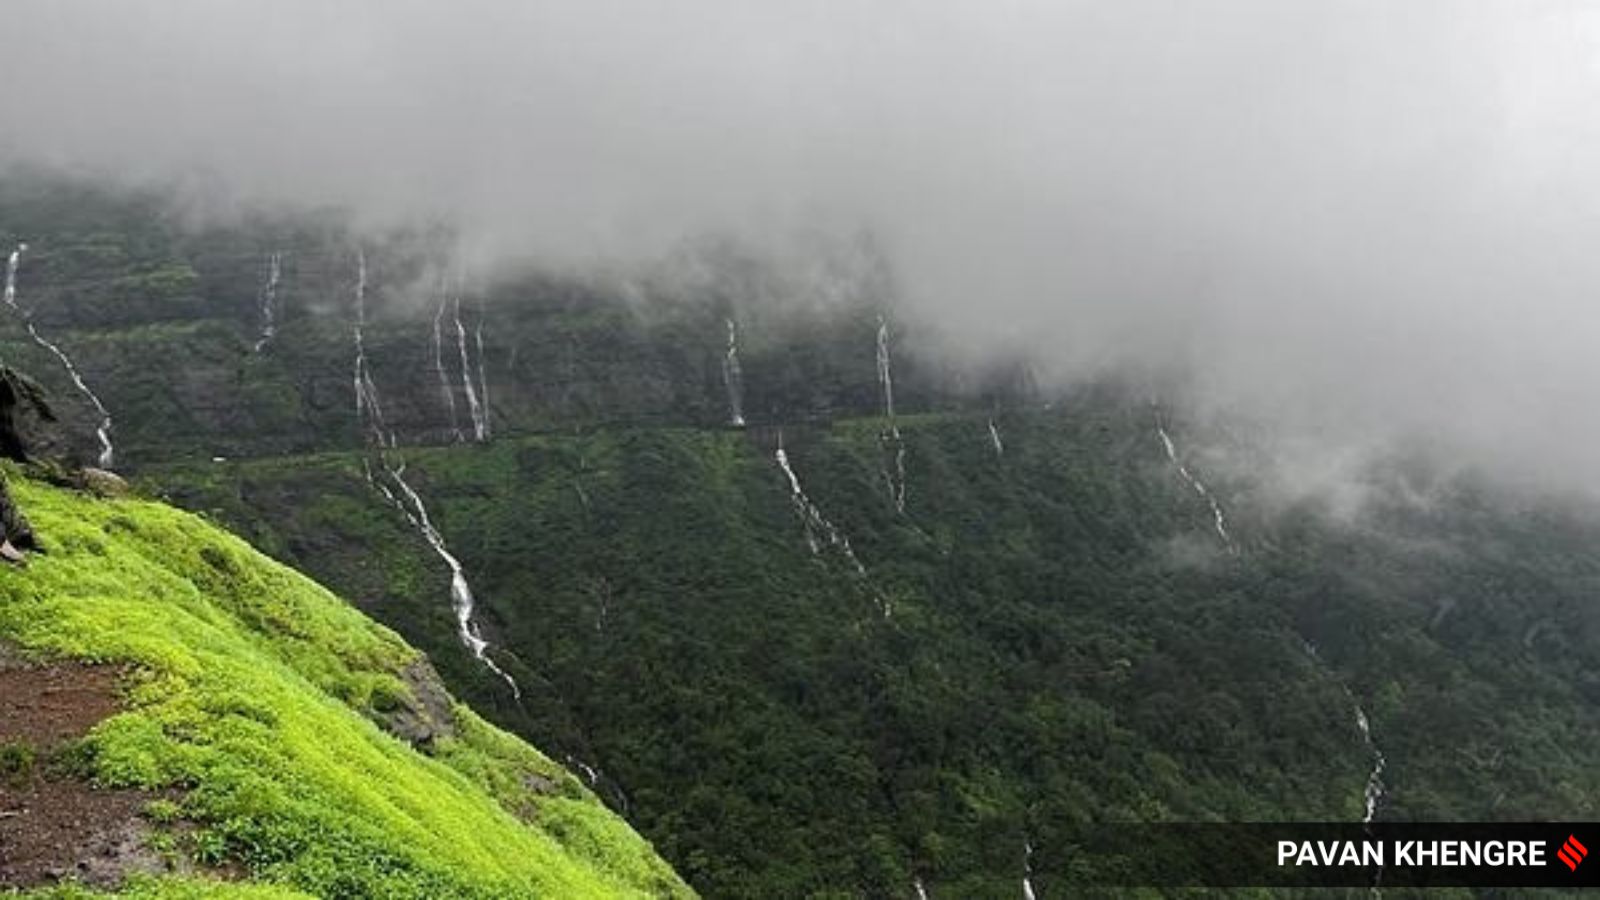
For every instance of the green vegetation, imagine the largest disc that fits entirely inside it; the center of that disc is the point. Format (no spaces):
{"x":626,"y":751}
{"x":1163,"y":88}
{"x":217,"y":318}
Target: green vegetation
{"x":256,"y":695}
{"x":177,"y":889}
{"x":1070,"y":642}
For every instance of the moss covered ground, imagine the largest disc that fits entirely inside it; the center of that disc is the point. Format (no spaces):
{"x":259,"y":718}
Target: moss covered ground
{"x":254,"y":695}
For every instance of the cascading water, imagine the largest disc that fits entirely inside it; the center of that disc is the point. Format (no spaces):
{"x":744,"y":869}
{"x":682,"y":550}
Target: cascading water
{"x":483,"y":374}
{"x":102,"y":431}
{"x":461,"y":598}
{"x":810,"y":516}
{"x":358,"y":376}
{"x":12,"y":262}
{"x":383,"y":489}
{"x":480,"y":421}
{"x":1372,"y":796}
{"x":269,"y":301}
{"x":818,"y":529}
{"x":994,"y":439}
{"x":590,"y":773}
{"x":1372,"y":793}
{"x":885,"y":371}
{"x":916,"y":885}
{"x":1027,"y":871}
{"x":1218,"y":521}
{"x":370,"y":412}
{"x":445,"y":390}
{"x":733,"y":378}
{"x":891,"y":435}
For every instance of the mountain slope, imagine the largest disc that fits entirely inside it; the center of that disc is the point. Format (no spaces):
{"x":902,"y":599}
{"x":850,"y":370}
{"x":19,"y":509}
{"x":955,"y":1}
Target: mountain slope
{"x":254,"y":701}
{"x":1070,"y":640}
{"x":1076,"y":637}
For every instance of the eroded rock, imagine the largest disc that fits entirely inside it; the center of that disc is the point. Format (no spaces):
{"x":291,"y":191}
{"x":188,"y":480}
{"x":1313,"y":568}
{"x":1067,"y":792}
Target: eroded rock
{"x":427,"y":714}
{"x":101,"y":483}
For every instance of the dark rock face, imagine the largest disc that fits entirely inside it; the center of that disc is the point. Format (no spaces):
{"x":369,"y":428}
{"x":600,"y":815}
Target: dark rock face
{"x":427,"y":714}
{"x":19,"y":395}
{"x":15,"y":532}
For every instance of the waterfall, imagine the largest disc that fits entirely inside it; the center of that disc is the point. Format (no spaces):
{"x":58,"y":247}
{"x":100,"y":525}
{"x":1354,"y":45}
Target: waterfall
{"x":1372,"y":793}
{"x":269,"y":301}
{"x":12,"y":262}
{"x":1372,"y":796}
{"x":1027,"y":871}
{"x":885,"y":374}
{"x":383,"y":489}
{"x":994,"y":439}
{"x":461,"y":598}
{"x":445,"y":389}
{"x":916,"y":884}
{"x":368,"y":409}
{"x":819,"y":530}
{"x":817,"y":525}
{"x":1218,"y":521}
{"x":358,"y":378}
{"x":370,"y":412}
{"x":480,"y":422}
{"x":483,"y":372}
{"x":102,"y":431}
{"x":590,"y":773}
{"x":890,"y":437}
{"x":733,"y":378}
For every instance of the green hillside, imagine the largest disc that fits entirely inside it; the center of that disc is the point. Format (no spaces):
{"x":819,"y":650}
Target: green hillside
{"x":254,"y":713}
{"x":1071,"y":639}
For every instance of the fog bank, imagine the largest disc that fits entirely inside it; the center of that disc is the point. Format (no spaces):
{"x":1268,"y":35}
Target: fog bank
{"x":1361,"y":218}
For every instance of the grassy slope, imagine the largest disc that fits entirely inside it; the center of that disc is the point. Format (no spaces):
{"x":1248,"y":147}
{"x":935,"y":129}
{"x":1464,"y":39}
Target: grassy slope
{"x":249,"y":685}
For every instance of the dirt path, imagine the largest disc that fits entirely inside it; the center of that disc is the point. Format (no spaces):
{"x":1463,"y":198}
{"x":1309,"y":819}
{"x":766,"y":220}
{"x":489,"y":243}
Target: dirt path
{"x":51,"y":830}
{"x":55,"y":825}
{"x":46,"y":704}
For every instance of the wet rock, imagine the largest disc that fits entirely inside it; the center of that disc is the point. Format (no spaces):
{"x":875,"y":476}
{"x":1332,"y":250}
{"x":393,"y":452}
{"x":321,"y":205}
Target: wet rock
{"x":101,"y":483}
{"x":427,"y":714}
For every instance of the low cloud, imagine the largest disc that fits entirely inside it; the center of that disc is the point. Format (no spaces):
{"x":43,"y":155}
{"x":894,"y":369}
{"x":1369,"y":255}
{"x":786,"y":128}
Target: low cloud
{"x":1357,"y":219}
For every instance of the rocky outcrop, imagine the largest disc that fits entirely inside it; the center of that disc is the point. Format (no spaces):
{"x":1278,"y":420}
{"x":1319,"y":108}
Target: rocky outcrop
{"x":426,"y":714}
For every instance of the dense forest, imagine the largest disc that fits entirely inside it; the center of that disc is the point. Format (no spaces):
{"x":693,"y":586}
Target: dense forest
{"x":844,"y":646}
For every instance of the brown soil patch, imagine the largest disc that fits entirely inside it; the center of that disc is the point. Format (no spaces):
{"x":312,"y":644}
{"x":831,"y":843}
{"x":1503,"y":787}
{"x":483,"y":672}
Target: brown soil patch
{"x":56,"y":830}
{"x":53,"y":826}
{"x":44,"y":704}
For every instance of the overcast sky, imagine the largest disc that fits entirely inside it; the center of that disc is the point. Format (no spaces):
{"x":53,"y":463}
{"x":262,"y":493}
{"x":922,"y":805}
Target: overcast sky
{"x":1374,"y":215}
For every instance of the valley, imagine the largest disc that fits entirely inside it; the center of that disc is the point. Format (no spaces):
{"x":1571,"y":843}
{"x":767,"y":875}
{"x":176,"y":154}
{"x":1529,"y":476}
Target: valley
{"x":926,"y":670}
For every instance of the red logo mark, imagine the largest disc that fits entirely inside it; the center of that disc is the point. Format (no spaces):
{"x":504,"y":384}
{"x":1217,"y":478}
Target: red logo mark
{"x":1572,"y":853}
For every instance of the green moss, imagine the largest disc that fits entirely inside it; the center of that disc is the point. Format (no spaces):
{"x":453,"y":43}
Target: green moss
{"x":251,"y":693}
{"x":16,"y":763}
{"x":145,"y":888}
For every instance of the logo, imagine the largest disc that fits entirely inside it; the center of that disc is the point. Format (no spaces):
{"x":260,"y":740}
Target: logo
{"x":1572,"y":853}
